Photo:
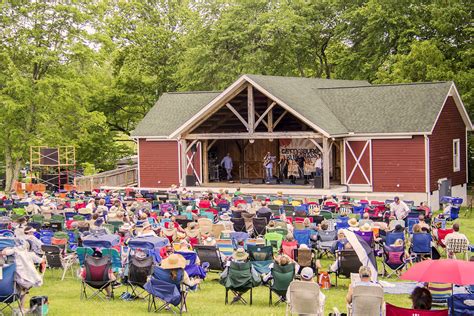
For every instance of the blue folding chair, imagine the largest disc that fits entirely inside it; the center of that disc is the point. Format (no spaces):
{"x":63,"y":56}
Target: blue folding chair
{"x":193,"y":269}
{"x":239,"y":239}
{"x":391,"y":238}
{"x":411,"y":222}
{"x":168,"y":291}
{"x":421,"y":245}
{"x":8,"y":289}
{"x":342,"y":222}
{"x":302,"y":236}
{"x":461,"y":304}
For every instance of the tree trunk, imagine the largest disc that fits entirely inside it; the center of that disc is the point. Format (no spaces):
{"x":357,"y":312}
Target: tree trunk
{"x":12,"y":169}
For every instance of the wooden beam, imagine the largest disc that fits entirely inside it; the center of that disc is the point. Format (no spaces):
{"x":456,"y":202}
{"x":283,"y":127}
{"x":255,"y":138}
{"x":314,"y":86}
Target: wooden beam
{"x":258,"y":135}
{"x":191,"y":145}
{"x":259,"y":116}
{"x":205,"y":162}
{"x":224,"y":119}
{"x":211,"y":144}
{"x":264,"y":114}
{"x":270,"y":119}
{"x":279,"y":118}
{"x":316,"y":144}
{"x":238,"y":115}
{"x":250,"y":109}
{"x":326,"y":151}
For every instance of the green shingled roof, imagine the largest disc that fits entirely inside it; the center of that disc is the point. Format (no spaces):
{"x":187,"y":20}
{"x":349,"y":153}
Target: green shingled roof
{"x":170,"y":112}
{"x":335,"y":106}
{"x":398,"y":108}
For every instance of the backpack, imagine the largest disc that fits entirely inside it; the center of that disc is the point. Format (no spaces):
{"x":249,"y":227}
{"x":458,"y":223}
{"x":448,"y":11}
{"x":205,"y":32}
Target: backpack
{"x":324,"y":280}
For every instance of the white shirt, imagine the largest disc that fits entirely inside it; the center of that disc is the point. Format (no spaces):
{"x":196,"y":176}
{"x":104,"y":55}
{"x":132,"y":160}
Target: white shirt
{"x":400,"y":210}
{"x":319,"y":163}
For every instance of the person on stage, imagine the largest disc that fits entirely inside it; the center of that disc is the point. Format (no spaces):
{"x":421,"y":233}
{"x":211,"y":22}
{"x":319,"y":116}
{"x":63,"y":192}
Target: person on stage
{"x":319,"y":166}
{"x":268,"y":164}
{"x":228,"y":165}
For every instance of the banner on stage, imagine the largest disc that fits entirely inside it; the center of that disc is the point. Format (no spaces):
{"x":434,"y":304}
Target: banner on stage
{"x":298,"y":148}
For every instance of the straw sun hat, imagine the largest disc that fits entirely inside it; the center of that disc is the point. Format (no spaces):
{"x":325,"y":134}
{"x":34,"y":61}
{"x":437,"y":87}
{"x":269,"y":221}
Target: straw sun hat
{"x":366,"y":227}
{"x":174,"y":261}
{"x":240,"y":254}
{"x":353,"y":222}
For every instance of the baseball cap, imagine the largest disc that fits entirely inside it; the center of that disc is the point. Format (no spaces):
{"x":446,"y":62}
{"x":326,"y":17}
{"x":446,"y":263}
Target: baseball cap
{"x":307,"y":273}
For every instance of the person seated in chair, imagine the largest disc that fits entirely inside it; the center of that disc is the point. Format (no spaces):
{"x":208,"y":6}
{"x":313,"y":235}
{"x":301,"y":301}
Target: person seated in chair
{"x":111,"y":274}
{"x":239,"y":255}
{"x":455,"y":234}
{"x":365,"y":275}
{"x":421,"y":298}
{"x":307,"y":275}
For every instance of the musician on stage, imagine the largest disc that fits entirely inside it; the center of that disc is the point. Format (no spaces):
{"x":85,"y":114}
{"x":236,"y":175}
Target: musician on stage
{"x":228,"y":165}
{"x":268,"y":164}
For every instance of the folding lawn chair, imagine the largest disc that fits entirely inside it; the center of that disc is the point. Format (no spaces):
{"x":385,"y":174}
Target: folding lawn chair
{"x":139,"y":269}
{"x":97,"y":278}
{"x":239,"y":239}
{"x":259,"y":226}
{"x":56,"y":260}
{"x":303,"y":298}
{"x":461,"y":304}
{"x":457,"y":246}
{"x":366,"y":300}
{"x":192,"y":268}
{"x":171,"y":293}
{"x":305,"y":258}
{"x":391,"y":310}
{"x":368,"y":237}
{"x":347,"y":262}
{"x":393,"y":259}
{"x":239,"y":224}
{"x":391,"y":238}
{"x":281,"y":279}
{"x":441,"y":235}
{"x":288,"y":248}
{"x":440,"y":293}
{"x":225,"y":246}
{"x":239,"y":280}
{"x":302,"y":236}
{"x":211,"y":255}
{"x":81,"y":253}
{"x":9,"y":294}
{"x":261,"y":257}
{"x":326,"y":240}
{"x":115,"y":258}
{"x":421,"y":246}
{"x":274,"y":240}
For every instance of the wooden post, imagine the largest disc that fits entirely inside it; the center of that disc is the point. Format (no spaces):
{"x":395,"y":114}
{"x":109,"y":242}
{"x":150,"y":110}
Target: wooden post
{"x":184,"y":169}
{"x":270,"y":118}
{"x":205,"y":163}
{"x":326,"y":150}
{"x":251,"y":109}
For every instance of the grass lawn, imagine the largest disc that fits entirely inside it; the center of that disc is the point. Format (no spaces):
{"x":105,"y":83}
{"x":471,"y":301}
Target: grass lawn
{"x":64,"y":295}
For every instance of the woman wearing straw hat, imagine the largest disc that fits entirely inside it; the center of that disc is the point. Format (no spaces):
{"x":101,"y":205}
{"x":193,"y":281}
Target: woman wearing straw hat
{"x":239,"y":255}
{"x":353,"y":224}
{"x":176,"y":263}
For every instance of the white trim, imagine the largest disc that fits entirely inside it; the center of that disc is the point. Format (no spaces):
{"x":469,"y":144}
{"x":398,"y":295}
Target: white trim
{"x":467,"y":159}
{"x":370,"y":161}
{"x":453,"y":92}
{"x":357,"y":163}
{"x":357,"y":138}
{"x":380,"y":135}
{"x":344,"y":181}
{"x":457,"y":158}
{"x":159,"y":139}
{"x":179,"y":163}
{"x":201,"y":169}
{"x":138,"y":162}
{"x":286,"y":106}
{"x":236,"y":85}
{"x":427,"y":165}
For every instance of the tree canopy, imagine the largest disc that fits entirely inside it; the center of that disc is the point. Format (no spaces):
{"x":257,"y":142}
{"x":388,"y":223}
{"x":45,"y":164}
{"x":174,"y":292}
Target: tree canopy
{"x":85,"y":73}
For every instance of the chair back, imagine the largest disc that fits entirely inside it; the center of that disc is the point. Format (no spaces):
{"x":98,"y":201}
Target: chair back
{"x":393,"y":256}
{"x":282,"y":277}
{"x":327,"y":235}
{"x":392,"y":237}
{"x":114,"y":258}
{"x":304,"y":257}
{"x":97,"y":270}
{"x":391,"y":310}
{"x":239,"y":277}
{"x":139,"y":269}
{"x":457,"y":245}
{"x":440,"y":292}
{"x":302,"y":236}
{"x":288,"y":248}
{"x":421,"y":243}
{"x":393,"y":223}
{"x":53,"y":256}
{"x":259,"y":225}
{"x":217,"y":229}
{"x":367,"y":300}
{"x":7,"y":283}
{"x":461,"y":304}
{"x":211,"y":255}
{"x":348,"y":262}
{"x":260,"y":253}
{"x":303,"y":297}
{"x":441,"y":234}
{"x":274,"y":239}
{"x":239,"y":224}
{"x":225,"y":246}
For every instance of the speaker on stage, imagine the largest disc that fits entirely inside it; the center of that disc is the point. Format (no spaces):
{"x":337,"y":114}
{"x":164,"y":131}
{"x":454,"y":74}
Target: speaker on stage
{"x":318,"y":182}
{"x":191,"y":180}
{"x":300,"y":181}
{"x":286,"y":181}
{"x":272,"y":181}
{"x":244,"y":181}
{"x":256,"y":181}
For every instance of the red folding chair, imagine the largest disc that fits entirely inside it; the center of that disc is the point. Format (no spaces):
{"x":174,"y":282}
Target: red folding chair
{"x":441,"y":234}
{"x":392,"y":310}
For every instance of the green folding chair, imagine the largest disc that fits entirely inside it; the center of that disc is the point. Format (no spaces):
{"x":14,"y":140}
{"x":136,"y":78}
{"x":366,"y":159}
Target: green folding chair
{"x":282,"y":277}
{"x":274,"y":239}
{"x":239,"y":280}
{"x":114,"y":258}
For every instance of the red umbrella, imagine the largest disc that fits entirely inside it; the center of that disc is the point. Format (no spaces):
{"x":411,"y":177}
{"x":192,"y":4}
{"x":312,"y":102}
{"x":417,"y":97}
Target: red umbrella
{"x":443,"y":271}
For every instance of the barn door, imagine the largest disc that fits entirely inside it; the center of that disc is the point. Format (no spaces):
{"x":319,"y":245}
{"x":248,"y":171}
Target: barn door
{"x":358,"y":162}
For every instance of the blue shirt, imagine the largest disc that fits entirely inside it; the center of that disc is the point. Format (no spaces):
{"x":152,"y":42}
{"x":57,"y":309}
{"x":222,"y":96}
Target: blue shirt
{"x":227,"y":162}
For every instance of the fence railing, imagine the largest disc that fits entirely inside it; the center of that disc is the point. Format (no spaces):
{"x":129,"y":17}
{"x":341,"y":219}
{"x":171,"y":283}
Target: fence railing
{"x":121,"y":177}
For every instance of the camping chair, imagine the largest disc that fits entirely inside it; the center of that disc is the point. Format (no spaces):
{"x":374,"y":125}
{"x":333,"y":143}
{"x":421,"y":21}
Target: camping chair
{"x":440,"y":293}
{"x":288,"y":248}
{"x":281,"y":279}
{"x":239,"y":224}
{"x":274,"y":240}
{"x":326,"y":240}
{"x":239,"y":280}
{"x":97,"y":277}
{"x":114,"y":258}
{"x":138,"y":271}
{"x":239,"y":239}
{"x":172,"y":293}
{"x":347,"y":262}
{"x":441,"y":235}
{"x":368,"y":237}
{"x":457,"y":245}
{"x":410,"y":223}
{"x":305,"y":258}
{"x":391,"y":238}
{"x":366,"y":301}
{"x":393,"y":259}
{"x":8,"y":289}
{"x":392,"y":310}
{"x":303,"y":298}
{"x":303,"y":236}
{"x":248,"y":220}
{"x":56,"y":260}
{"x":261,"y":257}
{"x":211,"y":255}
{"x":259,"y":226}
{"x":394,"y":222}
{"x":217,"y":229}
{"x":421,"y":246}
{"x":225,"y":246}
{"x":192,"y":268}
{"x":460,"y":304}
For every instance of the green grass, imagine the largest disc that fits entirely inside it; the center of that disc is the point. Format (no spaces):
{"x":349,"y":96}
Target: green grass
{"x":64,"y":295}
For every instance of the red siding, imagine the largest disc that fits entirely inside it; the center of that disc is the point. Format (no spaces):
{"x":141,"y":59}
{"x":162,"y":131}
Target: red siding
{"x":357,"y":175}
{"x":449,"y":126}
{"x":158,"y":163}
{"x":399,"y":161}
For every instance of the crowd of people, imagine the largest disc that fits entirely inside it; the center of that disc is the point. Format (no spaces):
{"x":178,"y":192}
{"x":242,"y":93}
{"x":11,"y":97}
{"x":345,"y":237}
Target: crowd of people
{"x":186,"y":219}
